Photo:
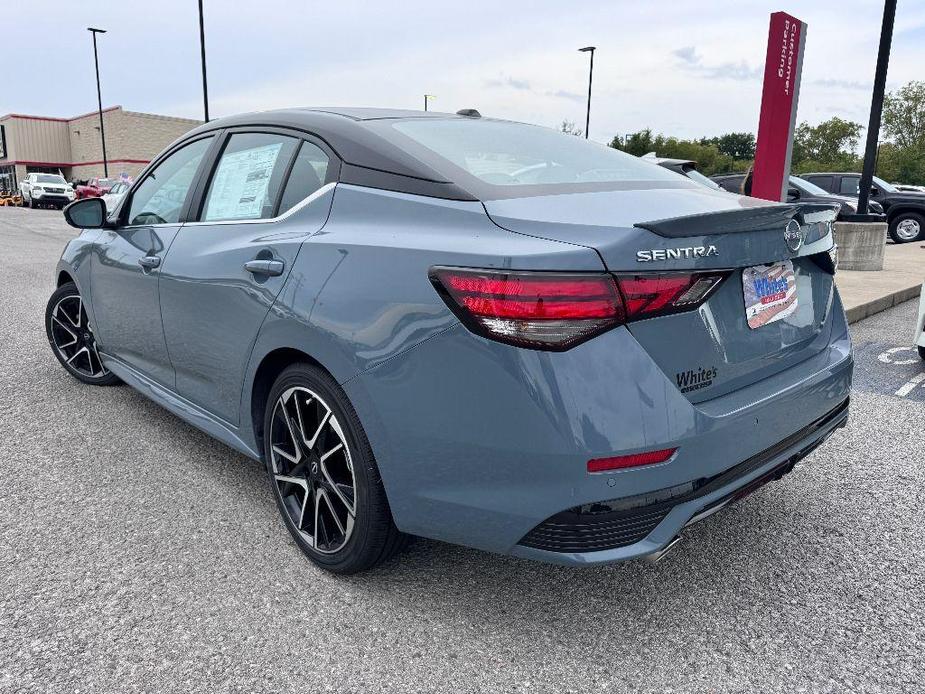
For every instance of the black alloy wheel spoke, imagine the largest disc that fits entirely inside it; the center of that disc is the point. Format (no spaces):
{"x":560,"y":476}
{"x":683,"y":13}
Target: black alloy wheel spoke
{"x":313,"y":470}
{"x":73,"y":338}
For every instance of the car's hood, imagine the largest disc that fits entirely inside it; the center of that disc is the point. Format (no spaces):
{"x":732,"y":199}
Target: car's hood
{"x":903,"y":196}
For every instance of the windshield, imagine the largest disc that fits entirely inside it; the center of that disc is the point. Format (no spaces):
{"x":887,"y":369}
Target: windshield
{"x":695,"y":175}
{"x":883,"y":185}
{"x":49,"y":178}
{"x":807,"y":187}
{"x":106,"y":182}
{"x":513,"y":154}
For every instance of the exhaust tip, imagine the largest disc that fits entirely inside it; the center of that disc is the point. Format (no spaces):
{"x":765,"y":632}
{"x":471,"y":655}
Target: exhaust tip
{"x":657,"y":556}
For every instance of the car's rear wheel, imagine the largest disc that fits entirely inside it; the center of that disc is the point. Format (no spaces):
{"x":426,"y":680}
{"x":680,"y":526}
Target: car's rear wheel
{"x":323,"y":474}
{"x":907,"y":227}
{"x":922,"y":352}
{"x":71,"y":337}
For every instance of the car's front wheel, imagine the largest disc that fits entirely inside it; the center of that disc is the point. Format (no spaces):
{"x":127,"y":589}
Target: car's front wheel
{"x":323,"y":474}
{"x":71,"y":337}
{"x":907,"y":227}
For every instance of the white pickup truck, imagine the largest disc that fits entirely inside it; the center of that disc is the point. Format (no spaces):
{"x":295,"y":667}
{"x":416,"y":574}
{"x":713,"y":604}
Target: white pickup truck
{"x":46,"y":189}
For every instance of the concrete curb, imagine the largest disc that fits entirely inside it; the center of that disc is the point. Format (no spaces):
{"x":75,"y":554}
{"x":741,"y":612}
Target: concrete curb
{"x":862,"y":311}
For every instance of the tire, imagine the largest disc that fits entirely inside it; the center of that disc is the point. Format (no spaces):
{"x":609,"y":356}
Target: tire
{"x":922,"y":352}
{"x":311,"y":468}
{"x":31,"y":203}
{"x":907,"y":227}
{"x":71,"y":337}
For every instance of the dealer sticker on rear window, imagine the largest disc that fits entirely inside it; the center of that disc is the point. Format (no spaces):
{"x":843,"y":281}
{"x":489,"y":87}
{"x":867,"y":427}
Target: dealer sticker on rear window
{"x":770,"y":293}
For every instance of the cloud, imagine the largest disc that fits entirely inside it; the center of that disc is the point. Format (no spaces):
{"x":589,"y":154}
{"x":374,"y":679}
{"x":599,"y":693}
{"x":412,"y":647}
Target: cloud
{"x":843,"y":84}
{"x":688,"y":54}
{"x":509,"y":82}
{"x":563,"y":94}
{"x":693,"y":62}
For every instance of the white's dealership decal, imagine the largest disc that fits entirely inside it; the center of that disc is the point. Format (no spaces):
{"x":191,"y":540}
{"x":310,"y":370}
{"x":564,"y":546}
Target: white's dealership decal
{"x":691,"y":380}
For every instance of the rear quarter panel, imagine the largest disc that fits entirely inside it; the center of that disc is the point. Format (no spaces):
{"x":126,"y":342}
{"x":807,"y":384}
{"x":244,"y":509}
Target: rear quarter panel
{"x":359,"y":293}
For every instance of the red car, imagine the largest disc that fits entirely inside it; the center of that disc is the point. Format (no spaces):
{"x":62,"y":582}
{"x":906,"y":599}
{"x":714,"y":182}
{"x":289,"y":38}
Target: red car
{"x":95,"y":187}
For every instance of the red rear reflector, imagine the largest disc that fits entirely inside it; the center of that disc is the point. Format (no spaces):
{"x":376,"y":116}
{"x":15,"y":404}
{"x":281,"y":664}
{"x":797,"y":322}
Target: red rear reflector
{"x":635,"y":460}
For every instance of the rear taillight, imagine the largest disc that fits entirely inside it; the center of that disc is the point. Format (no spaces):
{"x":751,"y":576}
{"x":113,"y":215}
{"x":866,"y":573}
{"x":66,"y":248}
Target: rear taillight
{"x":648,"y":296}
{"x":556,"y":311}
{"x":542,"y":310}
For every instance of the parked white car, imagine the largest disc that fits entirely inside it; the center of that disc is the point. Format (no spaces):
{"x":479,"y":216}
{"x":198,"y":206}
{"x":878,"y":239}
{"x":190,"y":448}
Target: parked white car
{"x":46,"y":189}
{"x":114,"y":196}
{"x":920,"y":326}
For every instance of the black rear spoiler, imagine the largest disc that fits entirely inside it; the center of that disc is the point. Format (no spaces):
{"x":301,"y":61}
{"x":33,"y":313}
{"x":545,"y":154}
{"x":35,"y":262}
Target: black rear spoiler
{"x":762,"y":218}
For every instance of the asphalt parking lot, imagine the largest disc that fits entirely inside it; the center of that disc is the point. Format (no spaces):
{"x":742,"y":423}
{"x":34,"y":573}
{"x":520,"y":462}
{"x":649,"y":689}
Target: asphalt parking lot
{"x":139,"y":555}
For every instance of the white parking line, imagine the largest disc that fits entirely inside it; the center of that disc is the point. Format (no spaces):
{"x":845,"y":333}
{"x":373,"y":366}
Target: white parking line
{"x":911,"y":385}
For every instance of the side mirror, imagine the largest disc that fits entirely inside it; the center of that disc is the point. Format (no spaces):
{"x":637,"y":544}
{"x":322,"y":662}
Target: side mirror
{"x":793,"y":194}
{"x":88,"y":213}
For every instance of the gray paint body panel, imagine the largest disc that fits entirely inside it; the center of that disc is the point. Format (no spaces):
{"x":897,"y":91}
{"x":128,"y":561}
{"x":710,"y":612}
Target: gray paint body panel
{"x":477,"y":441}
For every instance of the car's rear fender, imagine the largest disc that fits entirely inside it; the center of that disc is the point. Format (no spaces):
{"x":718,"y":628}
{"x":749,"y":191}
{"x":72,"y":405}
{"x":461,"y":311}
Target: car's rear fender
{"x":359,"y":292}
{"x":478,"y":442}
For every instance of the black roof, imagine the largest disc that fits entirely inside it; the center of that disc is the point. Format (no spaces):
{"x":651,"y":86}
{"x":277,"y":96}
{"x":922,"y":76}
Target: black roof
{"x":372,"y":155}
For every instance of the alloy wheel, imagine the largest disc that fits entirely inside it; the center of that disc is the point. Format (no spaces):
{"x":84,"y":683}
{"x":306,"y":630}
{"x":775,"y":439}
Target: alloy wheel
{"x":908,"y":230}
{"x":73,"y":337}
{"x":313,"y":469}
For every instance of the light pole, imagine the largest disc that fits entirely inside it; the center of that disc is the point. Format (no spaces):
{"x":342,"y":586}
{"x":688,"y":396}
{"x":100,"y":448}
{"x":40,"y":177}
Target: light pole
{"x":202,"y":49}
{"x":426,"y":97}
{"x":876,"y":107}
{"x":99,"y":97}
{"x":589,"y":49}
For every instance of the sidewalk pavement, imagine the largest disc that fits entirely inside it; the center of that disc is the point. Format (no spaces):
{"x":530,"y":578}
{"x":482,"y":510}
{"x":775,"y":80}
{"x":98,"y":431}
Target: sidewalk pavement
{"x":867,"y":293}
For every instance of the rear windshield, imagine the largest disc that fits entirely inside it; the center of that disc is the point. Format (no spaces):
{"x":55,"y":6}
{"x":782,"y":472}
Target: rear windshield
{"x":514,"y":154}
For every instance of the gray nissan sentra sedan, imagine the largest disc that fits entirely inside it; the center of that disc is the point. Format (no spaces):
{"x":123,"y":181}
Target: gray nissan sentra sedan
{"x":463,"y":328}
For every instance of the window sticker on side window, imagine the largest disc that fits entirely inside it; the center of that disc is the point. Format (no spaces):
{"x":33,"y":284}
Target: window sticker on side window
{"x":239,"y":188}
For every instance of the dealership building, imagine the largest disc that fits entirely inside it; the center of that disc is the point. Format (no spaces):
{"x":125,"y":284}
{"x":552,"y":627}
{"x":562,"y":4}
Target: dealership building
{"x":73,"y":147}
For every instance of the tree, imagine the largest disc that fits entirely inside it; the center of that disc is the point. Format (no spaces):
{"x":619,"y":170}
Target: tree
{"x":831,"y":145}
{"x":901,"y":164}
{"x":637,"y":144}
{"x":568,"y":127}
{"x":735,"y":145}
{"x":904,"y":115}
{"x":708,"y":157}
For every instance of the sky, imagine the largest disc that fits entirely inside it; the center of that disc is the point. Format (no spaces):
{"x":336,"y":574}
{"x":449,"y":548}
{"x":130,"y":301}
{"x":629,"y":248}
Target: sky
{"x":685,"y":68}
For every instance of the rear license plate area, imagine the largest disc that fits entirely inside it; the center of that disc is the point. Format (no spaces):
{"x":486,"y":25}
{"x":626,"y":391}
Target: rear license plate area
{"x":770,"y":293}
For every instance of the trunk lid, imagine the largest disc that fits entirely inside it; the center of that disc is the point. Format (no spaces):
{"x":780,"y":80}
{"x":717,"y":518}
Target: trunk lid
{"x":711,"y":350}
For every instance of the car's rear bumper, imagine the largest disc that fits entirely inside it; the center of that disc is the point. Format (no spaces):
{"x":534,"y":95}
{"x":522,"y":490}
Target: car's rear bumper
{"x":648,"y":524}
{"x":479,"y":443}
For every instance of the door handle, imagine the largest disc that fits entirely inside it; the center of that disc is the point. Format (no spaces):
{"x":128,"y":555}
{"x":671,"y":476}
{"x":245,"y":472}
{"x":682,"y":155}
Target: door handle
{"x":270,"y":268}
{"x":149,"y":262}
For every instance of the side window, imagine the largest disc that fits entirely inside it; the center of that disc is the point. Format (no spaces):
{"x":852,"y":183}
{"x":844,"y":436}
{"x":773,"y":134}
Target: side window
{"x":824,"y":182}
{"x":247,"y":179}
{"x":308,"y":174}
{"x":160,"y":197}
{"x":850,"y":185}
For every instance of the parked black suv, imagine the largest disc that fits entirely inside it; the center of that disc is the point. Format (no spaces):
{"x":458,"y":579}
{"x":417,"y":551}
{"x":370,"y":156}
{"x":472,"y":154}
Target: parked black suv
{"x":801,"y":190}
{"x":905,"y":212}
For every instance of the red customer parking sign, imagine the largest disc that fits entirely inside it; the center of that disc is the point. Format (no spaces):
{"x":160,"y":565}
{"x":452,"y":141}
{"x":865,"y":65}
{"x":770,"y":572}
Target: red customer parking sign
{"x":782,"y":68}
